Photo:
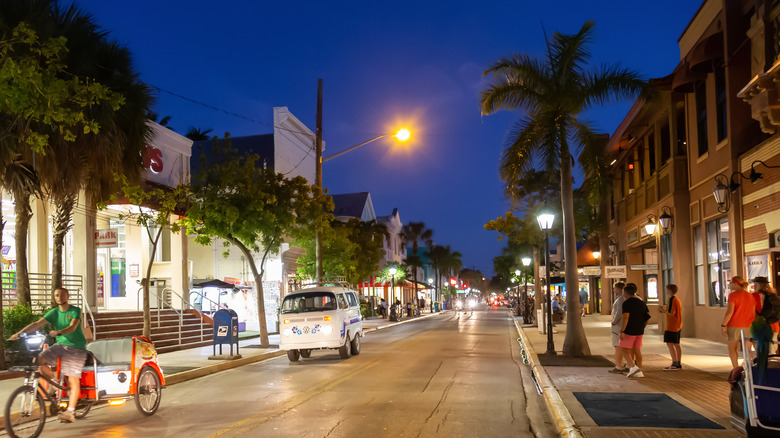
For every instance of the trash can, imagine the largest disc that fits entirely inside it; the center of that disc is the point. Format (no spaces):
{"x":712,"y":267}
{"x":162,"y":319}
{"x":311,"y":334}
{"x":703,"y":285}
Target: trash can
{"x":436,"y":306}
{"x":225,"y":330}
{"x":408,"y":309}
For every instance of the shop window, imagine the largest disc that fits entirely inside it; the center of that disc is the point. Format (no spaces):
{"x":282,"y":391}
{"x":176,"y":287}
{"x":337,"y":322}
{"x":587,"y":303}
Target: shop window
{"x":720,"y":100}
{"x":698,"y":264}
{"x":682,"y":142}
{"x":701,"y":116}
{"x":163,"y":253}
{"x":650,"y":257}
{"x":718,"y":261}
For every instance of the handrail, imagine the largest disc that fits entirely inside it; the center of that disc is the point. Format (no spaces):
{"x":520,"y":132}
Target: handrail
{"x":201,"y":308}
{"x":180,"y":312}
{"x":89,"y":312}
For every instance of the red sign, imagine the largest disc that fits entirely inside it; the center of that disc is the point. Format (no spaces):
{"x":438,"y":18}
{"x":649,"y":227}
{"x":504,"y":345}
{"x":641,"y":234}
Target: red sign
{"x":106,"y":238}
{"x":153,"y":159}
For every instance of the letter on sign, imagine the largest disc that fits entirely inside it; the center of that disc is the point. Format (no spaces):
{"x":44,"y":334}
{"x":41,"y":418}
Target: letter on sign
{"x":153,"y":159}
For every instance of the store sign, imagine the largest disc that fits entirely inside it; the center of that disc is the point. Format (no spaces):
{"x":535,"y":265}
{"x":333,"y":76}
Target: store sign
{"x":757,"y":266}
{"x":107,"y":238}
{"x":591,"y":270}
{"x":614,"y":271}
{"x":644,"y":267}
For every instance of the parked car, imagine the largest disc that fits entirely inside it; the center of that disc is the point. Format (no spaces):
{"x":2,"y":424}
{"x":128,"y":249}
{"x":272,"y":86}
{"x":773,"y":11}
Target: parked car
{"x":320,"y":318}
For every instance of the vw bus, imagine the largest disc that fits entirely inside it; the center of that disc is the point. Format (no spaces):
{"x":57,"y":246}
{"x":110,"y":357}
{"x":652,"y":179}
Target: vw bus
{"x":320,"y":318}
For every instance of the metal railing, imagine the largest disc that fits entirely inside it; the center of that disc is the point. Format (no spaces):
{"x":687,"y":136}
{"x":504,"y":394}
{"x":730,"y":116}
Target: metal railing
{"x":41,"y":288}
{"x":162,"y":300}
{"x":200,"y":311}
{"x":89,"y":312}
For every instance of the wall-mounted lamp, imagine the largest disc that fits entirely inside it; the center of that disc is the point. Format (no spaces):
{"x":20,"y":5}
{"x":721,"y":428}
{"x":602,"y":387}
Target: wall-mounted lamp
{"x":722,"y":191}
{"x":596,"y":254}
{"x":650,"y":225}
{"x":666,"y":220}
{"x":612,"y":247}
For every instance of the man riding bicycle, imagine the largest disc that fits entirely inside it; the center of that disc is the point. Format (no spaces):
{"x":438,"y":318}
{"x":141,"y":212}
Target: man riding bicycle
{"x":71,"y":347}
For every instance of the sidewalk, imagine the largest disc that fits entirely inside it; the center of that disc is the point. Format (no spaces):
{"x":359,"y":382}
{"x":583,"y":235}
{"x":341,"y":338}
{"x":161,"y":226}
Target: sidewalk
{"x":180,"y":366}
{"x":700,"y":386}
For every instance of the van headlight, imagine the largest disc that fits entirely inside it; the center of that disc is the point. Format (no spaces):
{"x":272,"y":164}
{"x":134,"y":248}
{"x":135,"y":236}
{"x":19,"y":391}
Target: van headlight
{"x":327,"y":329}
{"x":287,"y":332}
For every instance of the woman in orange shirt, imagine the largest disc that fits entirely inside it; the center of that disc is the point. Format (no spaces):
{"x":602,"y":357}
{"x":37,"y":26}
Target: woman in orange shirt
{"x":673,"y":327}
{"x":739,"y":315}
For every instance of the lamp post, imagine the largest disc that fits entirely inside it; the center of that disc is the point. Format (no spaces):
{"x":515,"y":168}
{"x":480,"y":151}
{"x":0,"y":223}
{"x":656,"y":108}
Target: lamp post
{"x":526,"y":262}
{"x":545,"y":223}
{"x":392,"y":272}
{"x":401,"y":135}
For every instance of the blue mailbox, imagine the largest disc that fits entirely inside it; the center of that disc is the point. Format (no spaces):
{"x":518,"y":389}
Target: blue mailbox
{"x":225,"y":330}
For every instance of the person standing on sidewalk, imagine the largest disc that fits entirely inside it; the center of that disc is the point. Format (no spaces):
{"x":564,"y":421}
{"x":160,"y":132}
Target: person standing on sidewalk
{"x":635,"y":316}
{"x":583,"y":301}
{"x":673,"y":327}
{"x":617,"y":326}
{"x":739,"y":315}
{"x":767,"y":305}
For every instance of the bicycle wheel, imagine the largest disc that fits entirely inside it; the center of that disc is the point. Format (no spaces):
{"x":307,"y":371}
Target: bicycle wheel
{"x":149,"y":392}
{"x":82,"y":409}
{"x":25,"y":413}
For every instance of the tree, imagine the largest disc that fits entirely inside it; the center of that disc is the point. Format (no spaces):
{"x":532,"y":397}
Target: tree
{"x":340,"y":253}
{"x":368,"y":238}
{"x":415,"y":233}
{"x":197,"y":134}
{"x":553,"y":92}
{"x":167,"y":202}
{"x":254,"y":209}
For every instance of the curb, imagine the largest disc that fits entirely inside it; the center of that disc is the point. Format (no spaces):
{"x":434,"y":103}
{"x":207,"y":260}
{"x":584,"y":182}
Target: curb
{"x":561,"y":417}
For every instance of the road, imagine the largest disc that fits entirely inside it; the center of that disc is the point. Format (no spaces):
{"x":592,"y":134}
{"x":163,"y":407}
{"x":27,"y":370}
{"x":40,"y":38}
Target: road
{"x":448,"y":375}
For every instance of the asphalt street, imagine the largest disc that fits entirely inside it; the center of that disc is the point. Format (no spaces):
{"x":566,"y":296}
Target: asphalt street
{"x":456,"y":374}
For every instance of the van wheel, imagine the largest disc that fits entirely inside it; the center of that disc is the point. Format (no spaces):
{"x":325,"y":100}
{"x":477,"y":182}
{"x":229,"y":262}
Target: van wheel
{"x":356,"y":345}
{"x":293,"y":355}
{"x":346,"y":349}
{"x":305,"y":353}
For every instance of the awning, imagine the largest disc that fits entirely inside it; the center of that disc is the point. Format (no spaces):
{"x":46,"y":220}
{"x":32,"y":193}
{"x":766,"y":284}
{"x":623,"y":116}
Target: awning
{"x":684,"y":80}
{"x":703,"y":55}
{"x":214,"y":283}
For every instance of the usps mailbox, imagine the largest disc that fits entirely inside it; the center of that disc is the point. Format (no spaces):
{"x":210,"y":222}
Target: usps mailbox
{"x":225,"y":330}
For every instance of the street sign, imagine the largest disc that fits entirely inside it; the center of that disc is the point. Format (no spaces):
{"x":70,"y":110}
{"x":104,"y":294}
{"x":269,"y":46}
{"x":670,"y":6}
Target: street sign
{"x":108,"y":238}
{"x":614,"y":272}
{"x":644,"y":267}
{"x":591,"y":270}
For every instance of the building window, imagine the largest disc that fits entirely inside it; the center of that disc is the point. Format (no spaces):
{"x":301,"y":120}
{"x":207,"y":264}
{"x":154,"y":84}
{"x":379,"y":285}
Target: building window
{"x":650,"y":257}
{"x":651,"y":153}
{"x":720,"y":100}
{"x":666,"y":144}
{"x":701,"y":116}
{"x":667,"y":273}
{"x":698,"y":266}
{"x":718,"y":261}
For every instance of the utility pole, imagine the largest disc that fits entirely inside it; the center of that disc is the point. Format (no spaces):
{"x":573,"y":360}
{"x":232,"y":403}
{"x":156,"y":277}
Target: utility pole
{"x":318,"y":182}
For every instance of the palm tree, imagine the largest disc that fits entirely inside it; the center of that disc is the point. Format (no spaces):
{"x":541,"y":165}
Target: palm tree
{"x":197,"y":134}
{"x":91,"y":161}
{"x":553,"y":92}
{"x":414,"y":233}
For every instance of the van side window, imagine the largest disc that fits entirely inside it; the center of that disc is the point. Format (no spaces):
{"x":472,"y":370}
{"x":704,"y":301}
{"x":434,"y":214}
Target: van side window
{"x":342,"y":301}
{"x":351,"y":299}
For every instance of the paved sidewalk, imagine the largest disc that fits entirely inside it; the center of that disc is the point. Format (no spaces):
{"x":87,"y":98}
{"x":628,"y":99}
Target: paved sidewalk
{"x":183,"y":365}
{"x":701,"y":385}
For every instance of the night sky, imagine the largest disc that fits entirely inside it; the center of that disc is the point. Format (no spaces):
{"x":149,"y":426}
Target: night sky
{"x":384,"y":64}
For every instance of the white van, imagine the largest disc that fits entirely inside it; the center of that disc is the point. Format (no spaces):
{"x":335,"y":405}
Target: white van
{"x":318,"y":318}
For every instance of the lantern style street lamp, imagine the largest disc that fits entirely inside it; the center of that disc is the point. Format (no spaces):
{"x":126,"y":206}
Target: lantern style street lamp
{"x":546,"y":223}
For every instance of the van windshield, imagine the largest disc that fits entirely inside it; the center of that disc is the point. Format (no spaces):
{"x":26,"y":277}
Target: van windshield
{"x":309,"y":302}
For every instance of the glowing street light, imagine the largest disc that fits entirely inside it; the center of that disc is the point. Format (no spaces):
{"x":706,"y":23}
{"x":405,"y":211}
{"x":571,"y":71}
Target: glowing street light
{"x":403,"y":134}
{"x":546,"y":223}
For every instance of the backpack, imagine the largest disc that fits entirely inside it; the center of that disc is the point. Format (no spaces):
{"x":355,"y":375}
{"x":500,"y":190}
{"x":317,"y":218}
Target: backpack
{"x":771,"y":309}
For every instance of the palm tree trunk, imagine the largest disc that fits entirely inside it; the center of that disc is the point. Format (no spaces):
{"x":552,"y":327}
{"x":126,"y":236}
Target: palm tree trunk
{"x":575,"y":343}
{"x":61,"y":225}
{"x":23,"y":215}
{"x":145,"y":283}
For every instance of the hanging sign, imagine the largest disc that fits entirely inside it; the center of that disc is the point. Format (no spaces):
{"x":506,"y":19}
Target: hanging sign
{"x":108,"y":238}
{"x":644,"y":267}
{"x":591,"y":270}
{"x":614,"y":271}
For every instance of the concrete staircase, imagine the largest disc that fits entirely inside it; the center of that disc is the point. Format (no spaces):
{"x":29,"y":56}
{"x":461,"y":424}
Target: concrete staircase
{"x":165,"y":334}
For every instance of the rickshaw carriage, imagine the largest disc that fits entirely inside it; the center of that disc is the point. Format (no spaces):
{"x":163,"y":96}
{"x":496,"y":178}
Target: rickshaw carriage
{"x":755,"y":402}
{"x":115,"y":370}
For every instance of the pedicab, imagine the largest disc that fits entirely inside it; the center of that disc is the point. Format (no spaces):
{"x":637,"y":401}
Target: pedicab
{"x":116,"y":370}
{"x":755,"y":395}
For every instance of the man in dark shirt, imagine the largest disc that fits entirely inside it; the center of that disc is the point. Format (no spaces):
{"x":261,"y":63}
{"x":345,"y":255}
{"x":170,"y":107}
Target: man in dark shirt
{"x":635,"y":316}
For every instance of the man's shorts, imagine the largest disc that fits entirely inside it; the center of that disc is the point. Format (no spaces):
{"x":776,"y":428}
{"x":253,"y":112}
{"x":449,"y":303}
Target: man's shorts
{"x":671,"y":337}
{"x":630,"y":341}
{"x":734,"y":332}
{"x":615,"y":336}
{"x":72,"y":358}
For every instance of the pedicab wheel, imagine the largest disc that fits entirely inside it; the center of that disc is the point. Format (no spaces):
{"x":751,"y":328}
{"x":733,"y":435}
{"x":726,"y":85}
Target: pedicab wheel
{"x":346,"y":349}
{"x":25,"y":413}
{"x":356,"y":345}
{"x":293,"y":355}
{"x":82,"y":409}
{"x":149,"y":391}
{"x":305,"y":353}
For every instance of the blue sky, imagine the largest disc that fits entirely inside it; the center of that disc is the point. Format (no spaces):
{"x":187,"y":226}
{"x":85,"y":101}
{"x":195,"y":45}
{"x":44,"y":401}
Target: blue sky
{"x":382,"y":63}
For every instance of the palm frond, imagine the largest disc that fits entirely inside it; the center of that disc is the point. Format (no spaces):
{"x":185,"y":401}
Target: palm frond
{"x":614,"y":82}
{"x":569,"y":54}
{"x":593,"y":158}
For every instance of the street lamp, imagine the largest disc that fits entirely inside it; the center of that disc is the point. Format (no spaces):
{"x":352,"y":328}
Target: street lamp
{"x":526,"y":262}
{"x":546,"y":223}
{"x":392,"y":272}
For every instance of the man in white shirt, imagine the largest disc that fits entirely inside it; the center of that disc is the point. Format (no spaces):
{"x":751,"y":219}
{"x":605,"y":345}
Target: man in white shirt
{"x":617,"y":326}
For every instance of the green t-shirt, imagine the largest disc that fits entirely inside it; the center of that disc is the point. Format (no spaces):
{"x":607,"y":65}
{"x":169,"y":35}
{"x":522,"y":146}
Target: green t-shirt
{"x":61,"y":320}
